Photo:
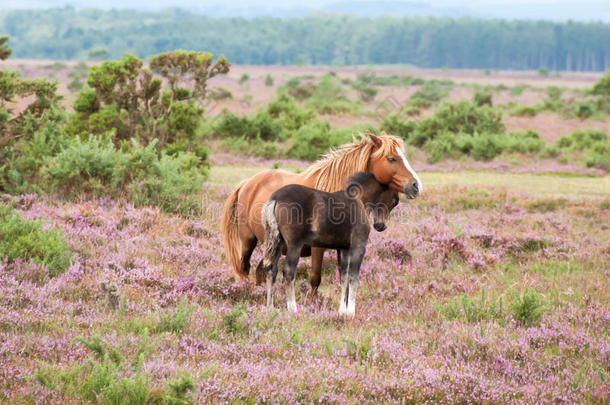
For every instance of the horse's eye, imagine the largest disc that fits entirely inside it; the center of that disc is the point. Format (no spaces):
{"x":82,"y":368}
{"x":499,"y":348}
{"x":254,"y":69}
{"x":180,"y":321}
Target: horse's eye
{"x":391,"y":159}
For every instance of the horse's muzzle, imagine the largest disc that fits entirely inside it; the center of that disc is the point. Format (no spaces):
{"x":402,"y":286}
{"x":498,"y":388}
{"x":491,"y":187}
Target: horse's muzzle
{"x":379,"y":226}
{"x":412,"y":190}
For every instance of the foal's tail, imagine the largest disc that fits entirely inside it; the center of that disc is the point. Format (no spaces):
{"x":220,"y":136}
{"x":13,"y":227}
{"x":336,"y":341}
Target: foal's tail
{"x":230,"y":235}
{"x":273,"y":238}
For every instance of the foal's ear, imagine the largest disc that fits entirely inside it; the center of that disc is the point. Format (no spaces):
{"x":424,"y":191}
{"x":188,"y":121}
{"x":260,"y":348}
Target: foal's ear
{"x":376,"y":140}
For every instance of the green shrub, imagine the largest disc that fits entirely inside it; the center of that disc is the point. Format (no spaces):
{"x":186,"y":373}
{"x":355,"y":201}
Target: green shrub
{"x":474,"y":310}
{"x":528,"y":308}
{"x":367,"y":94}
{"x":395,"y":125}
{"x":268,"y":80}
{"x":582,"y":139}
{"x":175,"y":321}
{"x":584,"y":110}
{"x":544,"y":72}
{"x":554,"y":92}
{"x":244,"y":78}
{"x":431,"y":92}
{"x":24,"y":239}
{"x":302,"y":91}
{"x":292,"y":117}
{"x":464,"y":117}
{"x":329,"y":97}
{"x":97,"y":168}
{"x":516,"y":90}
{"x":106,"y":378}
{"x":235,"y":322}
{"x":260,"y":126}
{"x":220,"y":93}
{"x":524,"y":111}
{"x":482,"y":98}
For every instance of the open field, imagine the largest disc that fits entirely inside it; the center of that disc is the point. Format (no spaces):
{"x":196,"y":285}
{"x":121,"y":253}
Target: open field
{"x":489,"y":288}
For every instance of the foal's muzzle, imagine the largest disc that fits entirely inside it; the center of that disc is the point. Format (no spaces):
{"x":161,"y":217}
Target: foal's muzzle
{"x":379,"y":226}
{"x":412,"y":189}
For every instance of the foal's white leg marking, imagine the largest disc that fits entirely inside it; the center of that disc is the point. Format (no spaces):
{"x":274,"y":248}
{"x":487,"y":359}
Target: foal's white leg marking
{"x":409,"y":168}
{"x":344,"y":292}
{"x":269,"y":292}
{"x":351,"y":305}
{"x":290,"y":299}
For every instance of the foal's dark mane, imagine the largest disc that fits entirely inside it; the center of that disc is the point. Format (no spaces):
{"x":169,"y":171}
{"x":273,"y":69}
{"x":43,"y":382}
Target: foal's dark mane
{"x":360,"y":178}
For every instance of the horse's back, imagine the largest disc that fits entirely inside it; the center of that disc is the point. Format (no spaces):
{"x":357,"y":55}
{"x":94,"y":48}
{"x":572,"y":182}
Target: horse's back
{"x":256,"y":192}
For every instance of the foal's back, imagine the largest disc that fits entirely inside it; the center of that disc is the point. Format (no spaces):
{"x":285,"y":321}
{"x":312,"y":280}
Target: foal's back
{"x":318,"y":218}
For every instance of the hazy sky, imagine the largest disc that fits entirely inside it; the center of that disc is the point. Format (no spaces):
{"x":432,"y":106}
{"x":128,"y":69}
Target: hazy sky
{"x":535,"y":9}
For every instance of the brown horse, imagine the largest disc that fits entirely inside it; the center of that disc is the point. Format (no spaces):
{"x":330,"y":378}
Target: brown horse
{"x":242,"y":225}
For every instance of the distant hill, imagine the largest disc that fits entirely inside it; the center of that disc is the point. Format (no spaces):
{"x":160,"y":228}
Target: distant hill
{"x":556,"y":10}
{"x":328,"y":39}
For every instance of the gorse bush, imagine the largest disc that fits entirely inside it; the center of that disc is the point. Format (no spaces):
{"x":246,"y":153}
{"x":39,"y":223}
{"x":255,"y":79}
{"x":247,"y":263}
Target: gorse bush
{"x":593,"y":145}
{"x":108,"y":378}
{"x":528,"y":308}
{"x":463,"y":117}
{"x":430,"y":93}
{"x":24,"y":239}
{"x":97,"y":168}
{"x":124,"y":96}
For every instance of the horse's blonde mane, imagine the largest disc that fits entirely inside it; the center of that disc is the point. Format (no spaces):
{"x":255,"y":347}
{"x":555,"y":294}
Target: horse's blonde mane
{"x":336,"y":166}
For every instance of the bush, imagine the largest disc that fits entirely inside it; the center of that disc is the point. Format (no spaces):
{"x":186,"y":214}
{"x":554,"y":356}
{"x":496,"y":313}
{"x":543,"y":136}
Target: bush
{"x":107,"y":378}
{"x":97,"y":168}
{"x":474,"y":310}
{"x":462,"y":117}
{"x":584,"y":110}
{"x":220,"y":93}
{"x":268,"y":80}
{"x":524,"y":111}
{"x":516,"y":90}
{"x":175,"y":321}
{"x":24,"y":239}
{"x":430,"y":93}
{"x":395,"y":125}
{"x":482,"y":98}
{"x":302,"y":91}
{"x":528,"y":308}
{"x":594,"y":143}
{"x":315,"y":138}
{"x":260,"y":126}
{"x":329,"y":97}
{"x":244,"y":78}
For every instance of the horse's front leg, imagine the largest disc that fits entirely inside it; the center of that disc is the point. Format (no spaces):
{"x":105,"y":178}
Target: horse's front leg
{"x":315,"y":274}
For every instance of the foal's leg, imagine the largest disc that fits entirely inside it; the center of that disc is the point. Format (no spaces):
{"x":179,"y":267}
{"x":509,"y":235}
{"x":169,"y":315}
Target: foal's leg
{"x":356,"y":254}
{"x":315,"y":275}
{"x":343,"y":256}
{"x":290,"y":269}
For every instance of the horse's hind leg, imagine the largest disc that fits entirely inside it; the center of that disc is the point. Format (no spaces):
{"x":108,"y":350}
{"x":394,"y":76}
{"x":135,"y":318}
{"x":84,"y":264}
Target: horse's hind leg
{"x":247,"y":247}
{"x":292,"y":259}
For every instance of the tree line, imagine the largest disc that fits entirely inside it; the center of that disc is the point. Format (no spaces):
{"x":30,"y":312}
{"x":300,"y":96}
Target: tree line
{"x":319,"y":39}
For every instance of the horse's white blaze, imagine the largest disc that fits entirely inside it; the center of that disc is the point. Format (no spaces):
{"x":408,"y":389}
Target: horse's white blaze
{"x":409,"y":168}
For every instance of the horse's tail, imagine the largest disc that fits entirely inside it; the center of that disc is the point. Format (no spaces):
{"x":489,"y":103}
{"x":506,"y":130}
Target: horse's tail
{"x":230,"y":235}
{"x":273,"y":238}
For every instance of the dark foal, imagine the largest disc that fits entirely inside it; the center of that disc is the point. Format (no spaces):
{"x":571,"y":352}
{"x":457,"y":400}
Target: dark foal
{"x":297,"y":216}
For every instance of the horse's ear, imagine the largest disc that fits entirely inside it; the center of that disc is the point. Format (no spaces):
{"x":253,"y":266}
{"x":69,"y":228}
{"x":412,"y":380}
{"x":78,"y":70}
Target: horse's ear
{"x":376,"y":140}
{"x":383,"y":133}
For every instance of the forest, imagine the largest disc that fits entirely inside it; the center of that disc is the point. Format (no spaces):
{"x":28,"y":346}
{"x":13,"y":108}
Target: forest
{"x":317,"y":39}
